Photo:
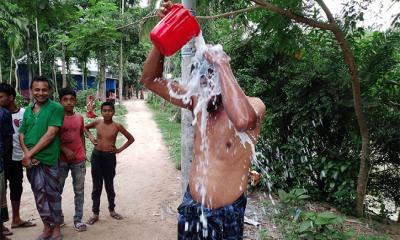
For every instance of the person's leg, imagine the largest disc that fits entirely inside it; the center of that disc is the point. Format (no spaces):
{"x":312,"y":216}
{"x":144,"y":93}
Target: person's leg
{"x":63,"y":169}
{"x":15,"y":195}
{"x":53,"y":194}
{"x":3,"y":207}
{"x":188,"y":226}
{"x":109,"y":174}
{"x":6,"y":175}
{"x":233,"y":219}
{"x":35,"y":176}
{"x":189,"y":218}
{"x":78,"y":173}
{"x":97,"y":178}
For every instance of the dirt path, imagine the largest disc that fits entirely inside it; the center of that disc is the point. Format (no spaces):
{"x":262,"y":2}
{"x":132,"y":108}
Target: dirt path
{"x":147,"y":190}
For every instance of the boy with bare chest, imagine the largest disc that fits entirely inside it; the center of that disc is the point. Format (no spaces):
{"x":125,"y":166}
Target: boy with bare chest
{"x":104,"y":159}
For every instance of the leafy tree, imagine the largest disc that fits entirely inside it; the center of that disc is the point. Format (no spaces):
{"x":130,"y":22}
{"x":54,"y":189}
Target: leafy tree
{"x":97,"y":32}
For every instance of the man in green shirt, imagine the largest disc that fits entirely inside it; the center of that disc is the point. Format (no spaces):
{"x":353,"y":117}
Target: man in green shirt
{"x":40,"y":141}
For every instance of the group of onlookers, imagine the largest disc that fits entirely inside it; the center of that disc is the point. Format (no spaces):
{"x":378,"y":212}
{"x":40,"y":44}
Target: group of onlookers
{"x":48,"y":138}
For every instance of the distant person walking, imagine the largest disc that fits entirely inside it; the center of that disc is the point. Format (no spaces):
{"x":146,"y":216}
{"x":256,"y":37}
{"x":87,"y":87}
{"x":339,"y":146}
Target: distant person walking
{"x":90,"y":107}
{"x":40,"y":141}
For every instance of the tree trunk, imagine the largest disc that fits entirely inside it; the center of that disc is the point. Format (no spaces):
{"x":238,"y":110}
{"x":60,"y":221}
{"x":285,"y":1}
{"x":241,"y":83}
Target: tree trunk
{"x":29,"y":58}
{"x":121,"y":73}
{"x":38,"y":46}
{"x":17,"y":88}
{"x":1,"y":74}
{"x":187,"y":130}
{"x":398,"y":217}
{"x":83,"y":74}
{"x":348,"y":55}
{"x":55,"y":76}
{"x":63,"y":68}
{"x":121,"y":61}
{"x":11,"y":66}
{"x":101,"y":94}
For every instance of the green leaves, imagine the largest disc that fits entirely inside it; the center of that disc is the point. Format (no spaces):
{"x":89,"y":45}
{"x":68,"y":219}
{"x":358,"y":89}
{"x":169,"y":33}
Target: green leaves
{"x":294,"y":196}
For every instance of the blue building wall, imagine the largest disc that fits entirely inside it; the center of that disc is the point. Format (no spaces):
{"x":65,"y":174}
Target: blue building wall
{"x":24,"y":81}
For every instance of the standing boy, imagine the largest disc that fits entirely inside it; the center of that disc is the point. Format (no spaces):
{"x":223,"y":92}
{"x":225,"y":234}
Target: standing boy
{"x":13,"y":170}
{"x":103,"y":158}
{"x":73,"y":153}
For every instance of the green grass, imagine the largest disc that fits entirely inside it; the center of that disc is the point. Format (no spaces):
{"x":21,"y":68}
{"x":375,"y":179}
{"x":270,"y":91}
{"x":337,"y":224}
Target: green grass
{"x":170,"y":130}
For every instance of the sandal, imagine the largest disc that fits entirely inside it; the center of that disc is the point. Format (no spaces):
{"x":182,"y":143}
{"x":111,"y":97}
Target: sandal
{"x":7,"y":232}
{"x":43,"y":238}
{"x":80,"y":227}
{"x":59,"y":237}
{"x":116,"y":216}
{"x":93,"y":219}
{"x":24,"y":224}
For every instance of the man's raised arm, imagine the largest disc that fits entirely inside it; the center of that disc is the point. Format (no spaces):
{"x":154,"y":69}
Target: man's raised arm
{"x":153,"y":70}
{"x":153,"y":80}
{"x":243,"y":114}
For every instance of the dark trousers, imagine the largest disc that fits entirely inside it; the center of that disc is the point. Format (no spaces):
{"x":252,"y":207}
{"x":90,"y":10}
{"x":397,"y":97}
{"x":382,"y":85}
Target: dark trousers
{"x":13,"y":173}
{"x":196,"y":222}
{"x":103,"y":169}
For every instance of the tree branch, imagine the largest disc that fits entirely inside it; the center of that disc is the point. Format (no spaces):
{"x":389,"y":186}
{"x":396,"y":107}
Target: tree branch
{"x":296,"y":17}
{"x":249,"y":9}
{"x":136,"y":22}
{"x":327,"y":12}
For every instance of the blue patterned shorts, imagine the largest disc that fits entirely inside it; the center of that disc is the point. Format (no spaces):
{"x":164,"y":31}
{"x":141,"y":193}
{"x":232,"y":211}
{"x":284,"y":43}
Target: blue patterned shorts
{"x":223,"y":223}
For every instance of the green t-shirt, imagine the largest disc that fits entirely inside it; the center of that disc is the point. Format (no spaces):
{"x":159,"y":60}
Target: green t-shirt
{"x":34,"y":126}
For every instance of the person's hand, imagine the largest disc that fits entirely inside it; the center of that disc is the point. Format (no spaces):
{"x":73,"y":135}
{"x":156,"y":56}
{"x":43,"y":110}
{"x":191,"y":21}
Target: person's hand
{"x":35,"y":162}
{"x":26,"y":161}
{"x":93,"y":140}
{"x":115,"y":150}
{"x":70,"y":155}
{"x":164,"y":9}
{"x":214,"y":56}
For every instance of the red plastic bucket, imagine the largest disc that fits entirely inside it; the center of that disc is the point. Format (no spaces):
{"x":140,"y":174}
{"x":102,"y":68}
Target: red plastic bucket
{"x":174,"y":30}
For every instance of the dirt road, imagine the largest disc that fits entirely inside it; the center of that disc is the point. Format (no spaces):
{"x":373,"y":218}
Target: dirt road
{"x":147,"y":190}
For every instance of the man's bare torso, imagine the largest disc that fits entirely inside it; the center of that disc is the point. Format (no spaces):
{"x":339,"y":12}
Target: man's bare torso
{"x":106,"y":136}
{"x":224,"y":171}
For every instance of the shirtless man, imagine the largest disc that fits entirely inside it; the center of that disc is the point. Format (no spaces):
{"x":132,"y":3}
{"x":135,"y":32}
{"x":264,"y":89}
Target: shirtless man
{"x":103,"y":158}
{"x":223,"y":201}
